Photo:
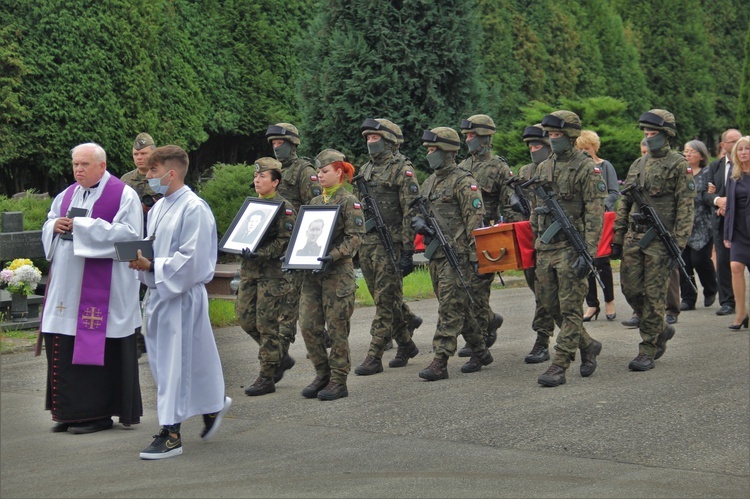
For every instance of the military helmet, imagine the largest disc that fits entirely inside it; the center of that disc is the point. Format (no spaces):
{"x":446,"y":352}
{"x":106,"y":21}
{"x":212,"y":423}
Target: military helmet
{"x":284,"y":131}
{"x":535,"y":133}
{"x":659,"y":119}
{"x":385,"y":128}
{"x":328,"y":156}
{"x":266,"y":164}
{"x":563,"y":121}
{"x":442,"y":137}
{"x":480,"y":124}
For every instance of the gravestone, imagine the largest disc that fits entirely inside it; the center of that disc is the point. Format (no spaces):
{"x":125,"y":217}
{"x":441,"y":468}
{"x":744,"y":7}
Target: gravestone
{"x":15,"y":243}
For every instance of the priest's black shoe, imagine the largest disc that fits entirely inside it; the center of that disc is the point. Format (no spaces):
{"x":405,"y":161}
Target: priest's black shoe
{"x":60,"y":427}
{"x":725,"y":310}
{"x":539,"y":353}
{"x":371,"y":365}
{"x":641,"y":363}
{"x":553,"y":376}
{"x":333,"y":391}
{"x":476,"y":361}
{"x":91,"y":426}
{"x":261,"y":386}
{"x":438,"y":369}
{"x":287,"y":362}
{"x":687,"y":306}
{"x":311,"y":391}
{"x":661,"y":341}
{"x":403,"y":354}
{"x":588,"y":358}
{"x":709,"y":300}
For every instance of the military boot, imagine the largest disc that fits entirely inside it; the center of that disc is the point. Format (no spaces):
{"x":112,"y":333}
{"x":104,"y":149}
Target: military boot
{"x":311,"y":391}
{"x":403,"y":354}
{"x":641,"y":363}
{"x":261,"y":386}
{"x":588,"y":358}
{"x":491,"y":336}
{"x":465,"y":351}
{"x":476,"y":361}
{"x":438,"y":369}
{"x":553,"y":376}
{"x":388,"y":345}
{"x":371,"y":365}
{"x":661,"y":341}
{"x":287,"y":362}
{"x":415,"y":322}
{"x":538,"y":354}
{"x":333,"y":391}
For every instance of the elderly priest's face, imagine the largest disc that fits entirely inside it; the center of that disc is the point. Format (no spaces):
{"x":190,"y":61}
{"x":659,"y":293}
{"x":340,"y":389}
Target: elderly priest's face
{"x":87,"y":170}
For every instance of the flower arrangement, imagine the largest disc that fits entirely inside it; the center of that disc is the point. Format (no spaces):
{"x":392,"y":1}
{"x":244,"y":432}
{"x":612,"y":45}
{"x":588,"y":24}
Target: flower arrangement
{"x":20,"y":276}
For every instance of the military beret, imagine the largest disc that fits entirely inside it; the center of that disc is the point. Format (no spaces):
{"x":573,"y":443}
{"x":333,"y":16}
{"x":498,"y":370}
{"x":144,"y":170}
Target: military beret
{"x":143,"y":140}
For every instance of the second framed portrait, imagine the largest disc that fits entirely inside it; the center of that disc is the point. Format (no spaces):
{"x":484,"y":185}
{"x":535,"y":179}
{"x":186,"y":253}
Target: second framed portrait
{"x":311,"y":237}
{"x":249,"y":225}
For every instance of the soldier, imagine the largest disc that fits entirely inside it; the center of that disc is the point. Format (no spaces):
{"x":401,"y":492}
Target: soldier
{"x":393,"y":184}
{"x":543,"y":324}
{"x":263,"y":286}
{"x":455,"y":200}
{"x":327,"y":298}
{"x":299,"y":184}
{"x":667,"y":183}
{"x":561,"y":273}
{"x":492,"y":174}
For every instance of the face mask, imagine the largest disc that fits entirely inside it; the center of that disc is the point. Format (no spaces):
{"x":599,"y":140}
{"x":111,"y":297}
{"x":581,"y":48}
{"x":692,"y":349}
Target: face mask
{"x":435,"y":159}
{"x":538,"y":156}
{"x":155,"y":185}
{"x":560,"y":144}
{"x":283,"y":151}
{"x":656,"y":142}
{"x":375,"y":148}
{"x":474,"y":144}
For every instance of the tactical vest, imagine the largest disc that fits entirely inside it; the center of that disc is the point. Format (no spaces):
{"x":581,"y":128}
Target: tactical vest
{"x":382,"y":180}
{"x":288,"y":188}
{"x":563,"y":174}
{"x":441,"y":194}
{"x":658,"y":179}
{"x":487,"y":174}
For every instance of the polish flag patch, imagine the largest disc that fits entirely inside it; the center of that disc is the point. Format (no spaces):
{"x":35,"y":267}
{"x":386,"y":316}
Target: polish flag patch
{"x":511,"y":174}
{"x":357,"y":206}
{"x":597,"y":169}
{"x":690,"y":170}
{"x":288,"y":212}
{"x":473,"y":187}
{"x":314,"y":178}
{"x":409,"y":173}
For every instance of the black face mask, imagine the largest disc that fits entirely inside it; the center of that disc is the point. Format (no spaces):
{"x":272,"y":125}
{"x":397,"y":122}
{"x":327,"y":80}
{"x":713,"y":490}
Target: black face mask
{"x":560,"y":144}
{"x":540,"y":155}
{"x":436,"y":159}
{"x":657,"y":141}
{"x":283,"y":151}
{"x":375,"y":148}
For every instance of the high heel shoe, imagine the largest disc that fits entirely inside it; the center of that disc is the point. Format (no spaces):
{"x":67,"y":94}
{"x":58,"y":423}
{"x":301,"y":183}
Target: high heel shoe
{"x":742,"y":324}
{"x":612,"y":316}
{"x":595,"y":315}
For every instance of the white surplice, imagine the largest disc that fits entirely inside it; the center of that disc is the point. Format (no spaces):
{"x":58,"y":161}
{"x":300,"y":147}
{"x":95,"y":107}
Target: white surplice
{"x":92,"y":238}
{"x":181,"y":347}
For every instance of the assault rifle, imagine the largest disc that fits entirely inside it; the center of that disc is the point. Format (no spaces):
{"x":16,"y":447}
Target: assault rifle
{"x":562,"y":223}
{"x":523,"y":206}
{"x":374,"y":220}
{"x":432,"y":229}
{"x":649,"y":216}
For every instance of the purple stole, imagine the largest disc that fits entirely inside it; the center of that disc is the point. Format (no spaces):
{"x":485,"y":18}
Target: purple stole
{"x":93,"y":308}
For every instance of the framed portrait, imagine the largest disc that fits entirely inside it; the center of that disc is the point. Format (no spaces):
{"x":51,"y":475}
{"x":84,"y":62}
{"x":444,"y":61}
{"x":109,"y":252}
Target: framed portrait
{"x":311,"y":237}
{"x":249,"y":225}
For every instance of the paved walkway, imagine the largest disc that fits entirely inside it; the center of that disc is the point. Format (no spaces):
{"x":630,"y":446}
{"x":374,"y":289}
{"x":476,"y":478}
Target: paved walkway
{"x":680,"y":430}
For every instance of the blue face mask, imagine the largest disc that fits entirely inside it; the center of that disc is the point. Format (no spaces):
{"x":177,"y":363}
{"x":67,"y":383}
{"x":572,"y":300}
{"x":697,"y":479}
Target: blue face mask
{"x":155,"y":185}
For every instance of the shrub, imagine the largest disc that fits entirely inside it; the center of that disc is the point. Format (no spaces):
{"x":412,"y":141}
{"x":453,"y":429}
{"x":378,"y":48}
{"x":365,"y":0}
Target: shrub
{"x":34,"y":209}
{"x":225,"y":192}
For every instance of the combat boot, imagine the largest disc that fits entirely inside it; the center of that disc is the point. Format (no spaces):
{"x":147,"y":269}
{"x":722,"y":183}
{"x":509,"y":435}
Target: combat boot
{"x":538,"y":354}
{"x":438,"y":369}
{"x":415,"y":322}
{"x":553,"y":376}
{"x":371,"y":365}
{"x":388,"y":345}
{"x":588,"y":358}
{"x":476,"y":361}
{"x":661,"y":341}
{"x":287,"y":362}
{"x":311,"y":391}
{"x":333,"y":391}
{"x":403,"y":354}
{"x":491,"y":336}
{"x":465,"y":351}
{"x":261,"y":386}
{"x":641,"y":363}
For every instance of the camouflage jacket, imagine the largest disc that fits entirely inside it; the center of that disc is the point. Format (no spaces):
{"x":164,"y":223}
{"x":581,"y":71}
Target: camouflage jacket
{"x":139,"y":182}
{"x":348,"y":232}
{"x":299,"y":181}
{"x":455,"y":199}
{"x":667,"y":183}
{"x":273,"y":245}
{"x":492,"y":173}
{"x":580,"y":191}
{"x":394,"y":186}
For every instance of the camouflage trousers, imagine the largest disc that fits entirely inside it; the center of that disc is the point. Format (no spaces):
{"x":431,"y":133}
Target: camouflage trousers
{"x":327,"y":302}
{"x":646,"y":295}
{"x":543,"y":323}
{"x":453,"y":304}
{"x":259,"y":306}
{"x":386,"y":287}
{"x":561,"y":293}
{"x":481,"y":287}
{"x":290,"y":312}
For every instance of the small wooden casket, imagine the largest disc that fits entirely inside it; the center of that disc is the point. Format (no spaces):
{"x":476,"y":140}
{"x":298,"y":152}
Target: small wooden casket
{"x":497,"y":248}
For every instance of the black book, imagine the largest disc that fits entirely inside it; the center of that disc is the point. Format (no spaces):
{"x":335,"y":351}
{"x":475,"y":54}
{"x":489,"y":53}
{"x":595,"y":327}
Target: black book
{"x":128,"y":250}
{"x":72,"y":213}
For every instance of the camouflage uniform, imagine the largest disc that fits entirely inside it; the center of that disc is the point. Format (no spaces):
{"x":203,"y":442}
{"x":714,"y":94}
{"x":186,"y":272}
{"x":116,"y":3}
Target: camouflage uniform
{"x":327,"y":299}
{"x":667,"y":184}
{"x":392,"y":182}
{"x":580,"y":191}
{"x":138,"y":181}
{"x":299,"y":184}
{"x":455,"y":200}
{"x":263,"y":289}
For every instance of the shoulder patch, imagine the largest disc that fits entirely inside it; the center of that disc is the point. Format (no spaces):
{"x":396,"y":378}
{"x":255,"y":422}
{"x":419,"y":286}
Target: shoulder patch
{"x":288,"y":226}
{"x":413,"y":188}
{"x":601,"y":186}
{"x":691,"y":185}
{"x":357,"y":206}
{"x":477,"y":203}
{"x":409,"y":173}
{"x":473,"y":187}
{"x":358,"y":221}
{"x":288,"y":212}
{"x":689,"y":170}
{"x":597,"y":169}
{"x":316,"y":191}
{"x":511,"y":173}
{"x":314,"y":178}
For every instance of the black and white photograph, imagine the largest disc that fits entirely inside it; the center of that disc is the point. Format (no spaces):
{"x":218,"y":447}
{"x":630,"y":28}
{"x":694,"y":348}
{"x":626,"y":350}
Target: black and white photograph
{"x":249,"y":225}
{"x":311,"y":237}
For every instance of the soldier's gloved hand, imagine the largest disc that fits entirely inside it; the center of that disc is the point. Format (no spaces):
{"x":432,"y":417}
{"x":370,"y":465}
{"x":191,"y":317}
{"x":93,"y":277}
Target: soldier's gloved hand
{"x":475,"y":268}
{"x":249,"y":255}
{"x":327,"y":261}
{"x":420,"y":226}
{"x":616,"y":251}
{"x":515,"y":203}
{"x":407,"y":262}
{"x":581,"y":268}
